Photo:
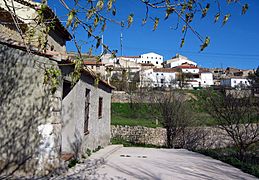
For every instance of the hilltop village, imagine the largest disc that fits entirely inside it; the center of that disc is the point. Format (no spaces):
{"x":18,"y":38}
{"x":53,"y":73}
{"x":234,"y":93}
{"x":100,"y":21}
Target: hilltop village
{"x":152,"y":70}
{"x":58,"y":119}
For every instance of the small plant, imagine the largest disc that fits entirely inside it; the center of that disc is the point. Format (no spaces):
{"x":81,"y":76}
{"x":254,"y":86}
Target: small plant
{"x":97,"y":149}
{"x":72,"y":163}
{"x":88,"y":152}
{"x":52,"y":78}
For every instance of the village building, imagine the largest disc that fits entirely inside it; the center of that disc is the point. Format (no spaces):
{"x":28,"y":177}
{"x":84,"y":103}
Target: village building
{"x":130,"y":66}
{"x":151,"y":58}
{"x":178,"y":60}
{"x":145,"y":66}
{"x":148,"y":58}
{"x":44,"y":115}
{"x":86,"y":107}
{"x":194,"y":77}
{"x":92,"y":63}
{"x":184,"y":76}
{"x":235,"y":82}
{"x":135,"y":59}
{"x":27,"y":13}
{"x":206,"y":78}
{"x":158,"y":77}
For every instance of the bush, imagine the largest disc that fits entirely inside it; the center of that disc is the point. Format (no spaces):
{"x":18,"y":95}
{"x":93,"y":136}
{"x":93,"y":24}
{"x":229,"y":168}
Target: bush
{"x":88,"y":152}
{"x":72,"y":163}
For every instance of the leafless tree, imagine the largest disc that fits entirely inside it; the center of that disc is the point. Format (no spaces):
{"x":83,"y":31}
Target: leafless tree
{"x":174,"y":113}
{"x":237,"y":113}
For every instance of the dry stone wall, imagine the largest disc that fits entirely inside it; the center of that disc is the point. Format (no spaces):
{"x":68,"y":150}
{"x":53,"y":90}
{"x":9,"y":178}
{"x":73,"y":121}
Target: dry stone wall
{"x":140,"y":134}
{"x":120,"y":97}
{"x":198,"y":137}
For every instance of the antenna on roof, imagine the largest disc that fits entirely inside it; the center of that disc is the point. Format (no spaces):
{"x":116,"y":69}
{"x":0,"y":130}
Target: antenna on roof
{"x":121,"y":41}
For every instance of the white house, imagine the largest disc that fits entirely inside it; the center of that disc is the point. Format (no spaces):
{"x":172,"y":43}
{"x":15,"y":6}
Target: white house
{"x":131,"y":58}
{"x":206,"y":79}
{"x":189,"y":69}
{"x":195,"y":76}
{"x":178,"y":60}
{"x":151,"y":58}
{"x":235,"y":82}
{"x":158,"y":77}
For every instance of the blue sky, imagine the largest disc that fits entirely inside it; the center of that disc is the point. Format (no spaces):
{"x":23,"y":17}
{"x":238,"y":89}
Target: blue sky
{"x":236,"y":44}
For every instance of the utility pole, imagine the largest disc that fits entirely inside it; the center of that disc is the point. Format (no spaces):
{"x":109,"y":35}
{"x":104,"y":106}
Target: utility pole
{"x":121,"y":41}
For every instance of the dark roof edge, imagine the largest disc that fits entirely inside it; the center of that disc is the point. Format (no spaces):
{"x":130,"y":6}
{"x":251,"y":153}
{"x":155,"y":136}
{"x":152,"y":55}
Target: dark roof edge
{"x":36,"y":52}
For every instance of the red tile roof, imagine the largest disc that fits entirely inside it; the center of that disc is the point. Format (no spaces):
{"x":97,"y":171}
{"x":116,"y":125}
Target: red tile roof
{"x":164,"y":70}
{"x":93,"y":63}
{"x":187,"y":67}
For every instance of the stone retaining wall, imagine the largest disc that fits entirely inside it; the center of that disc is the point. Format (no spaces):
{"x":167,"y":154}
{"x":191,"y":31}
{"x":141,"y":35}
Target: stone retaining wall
{"x":140,"y":134}
{"x":198,"y":137}
{"x":120,"y":97}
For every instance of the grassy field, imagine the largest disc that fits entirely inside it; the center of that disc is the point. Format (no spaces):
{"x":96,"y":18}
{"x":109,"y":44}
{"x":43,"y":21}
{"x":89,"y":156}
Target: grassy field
{"x":138,"y":115}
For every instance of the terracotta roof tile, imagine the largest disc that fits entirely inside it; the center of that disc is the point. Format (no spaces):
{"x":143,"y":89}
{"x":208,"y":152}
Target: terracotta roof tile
{"x":93,"y":63}
{"x":164,"y":70}
{"x":187,"y":67}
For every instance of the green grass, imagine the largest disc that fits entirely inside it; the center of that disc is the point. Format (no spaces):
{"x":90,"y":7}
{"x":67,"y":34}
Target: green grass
{"x":228,"y":155}
{"x":140,"y":115}
{"x":204,"y":119}
{"x":137,"y":115}
{"x":131,"y":144}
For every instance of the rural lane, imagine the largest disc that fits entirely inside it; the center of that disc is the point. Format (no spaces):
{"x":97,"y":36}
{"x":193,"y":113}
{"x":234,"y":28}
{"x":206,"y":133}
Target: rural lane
{"x":164,"y":164}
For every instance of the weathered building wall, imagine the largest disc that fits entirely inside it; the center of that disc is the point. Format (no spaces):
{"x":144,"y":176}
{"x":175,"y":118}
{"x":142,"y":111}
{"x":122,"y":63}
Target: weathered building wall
{"x":28,"y":16}
{"x":74,"y":139}
{"x":202,"y":137}
{"x":29,"y":113}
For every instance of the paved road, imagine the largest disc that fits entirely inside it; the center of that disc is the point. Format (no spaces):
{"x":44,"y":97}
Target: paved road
{"x":148,"y":163}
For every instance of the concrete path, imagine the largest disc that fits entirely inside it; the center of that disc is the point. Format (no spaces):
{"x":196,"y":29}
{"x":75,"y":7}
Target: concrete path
{"x":173,"y":164}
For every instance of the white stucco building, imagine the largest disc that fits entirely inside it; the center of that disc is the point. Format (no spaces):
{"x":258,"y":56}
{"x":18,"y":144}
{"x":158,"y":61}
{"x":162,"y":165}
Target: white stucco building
{"x":195,"y":77}
{"x":193,"y":69}
{"x":158,"y":77}
{"x":235,"y":82}
{"x":178,"y":60}
{"x":148,"y":58}
{"x":206,"y":79}
{"x":131,"y":58}
{"x":151,"y":58}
